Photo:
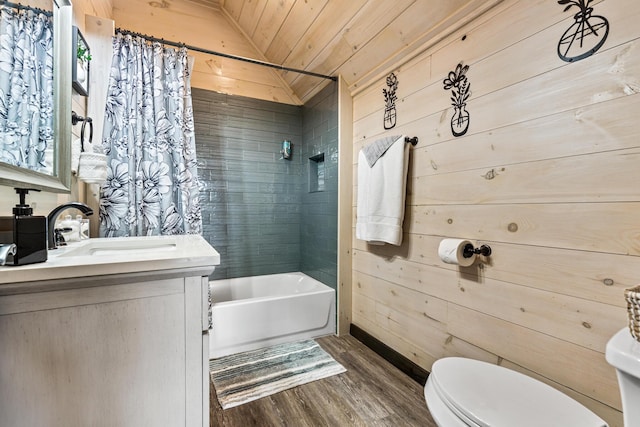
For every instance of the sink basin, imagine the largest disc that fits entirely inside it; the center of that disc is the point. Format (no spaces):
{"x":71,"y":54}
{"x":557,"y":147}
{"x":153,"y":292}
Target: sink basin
{"x":120,"y":247}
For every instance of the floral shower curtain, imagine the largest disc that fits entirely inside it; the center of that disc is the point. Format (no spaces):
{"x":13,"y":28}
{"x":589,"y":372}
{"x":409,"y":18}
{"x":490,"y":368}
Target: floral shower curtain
{"x":26,"y":89}
{"x":152,"y":186}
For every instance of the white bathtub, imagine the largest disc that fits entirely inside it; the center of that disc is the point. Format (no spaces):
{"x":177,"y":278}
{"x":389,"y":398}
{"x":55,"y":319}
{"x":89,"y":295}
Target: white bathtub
{"x":260,"y":311}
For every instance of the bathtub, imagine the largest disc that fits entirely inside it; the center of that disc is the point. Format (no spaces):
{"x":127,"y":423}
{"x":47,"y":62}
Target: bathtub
{"x":254,"y":312}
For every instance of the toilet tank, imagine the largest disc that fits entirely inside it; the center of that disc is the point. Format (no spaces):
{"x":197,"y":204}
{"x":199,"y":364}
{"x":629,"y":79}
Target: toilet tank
{"x":623,"y":353}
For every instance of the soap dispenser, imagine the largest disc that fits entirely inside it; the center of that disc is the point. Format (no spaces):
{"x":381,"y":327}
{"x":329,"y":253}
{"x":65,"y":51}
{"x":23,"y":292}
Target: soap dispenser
{"x":26,"y":231}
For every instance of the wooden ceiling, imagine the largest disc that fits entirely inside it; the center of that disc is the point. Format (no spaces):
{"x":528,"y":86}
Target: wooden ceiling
{"x":359,"y":39}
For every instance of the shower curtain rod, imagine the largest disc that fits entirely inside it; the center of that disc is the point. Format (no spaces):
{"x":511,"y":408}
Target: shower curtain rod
{"x":25,"y":7}
{"x":225,"y":55}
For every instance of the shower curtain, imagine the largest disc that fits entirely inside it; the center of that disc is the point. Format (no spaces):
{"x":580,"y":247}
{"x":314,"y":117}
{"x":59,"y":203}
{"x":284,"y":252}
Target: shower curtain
{"x":152,"y":185}
{"x":26,"y":89}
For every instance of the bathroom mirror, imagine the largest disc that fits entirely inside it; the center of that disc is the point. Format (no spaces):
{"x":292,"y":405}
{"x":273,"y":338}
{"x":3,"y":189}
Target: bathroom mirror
{"x":57,"y":177}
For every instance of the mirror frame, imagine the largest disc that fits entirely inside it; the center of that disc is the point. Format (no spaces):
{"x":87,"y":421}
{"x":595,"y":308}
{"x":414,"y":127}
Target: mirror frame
{"x":60,"y":181}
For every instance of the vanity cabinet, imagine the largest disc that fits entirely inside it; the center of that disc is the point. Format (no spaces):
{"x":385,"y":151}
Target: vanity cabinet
{"x":122,"y":349}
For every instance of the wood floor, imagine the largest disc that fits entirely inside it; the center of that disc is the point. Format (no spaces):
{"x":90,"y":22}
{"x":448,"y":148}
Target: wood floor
{"x":371,"y":393}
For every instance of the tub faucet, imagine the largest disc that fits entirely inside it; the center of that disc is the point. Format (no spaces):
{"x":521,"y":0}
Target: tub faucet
{"x":53,"y":215}
{"x":7,"y":251}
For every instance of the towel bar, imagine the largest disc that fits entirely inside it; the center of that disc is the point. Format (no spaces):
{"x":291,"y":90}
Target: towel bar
{"x":75,"y":118}
{"x":413,"y":141}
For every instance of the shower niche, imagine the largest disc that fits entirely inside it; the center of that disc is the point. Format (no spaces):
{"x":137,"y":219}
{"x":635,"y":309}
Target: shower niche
{"x":316,"y":173}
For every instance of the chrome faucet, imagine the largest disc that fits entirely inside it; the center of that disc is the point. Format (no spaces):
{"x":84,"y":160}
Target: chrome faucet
{"x":53,"y":215}
{"x":6,"y":252}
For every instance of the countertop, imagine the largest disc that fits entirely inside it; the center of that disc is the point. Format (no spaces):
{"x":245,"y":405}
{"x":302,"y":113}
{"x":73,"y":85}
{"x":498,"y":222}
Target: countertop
{"x":118,"y":255}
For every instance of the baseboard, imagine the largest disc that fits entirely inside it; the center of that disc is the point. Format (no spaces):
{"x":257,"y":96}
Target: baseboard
{"x":414,"y":371}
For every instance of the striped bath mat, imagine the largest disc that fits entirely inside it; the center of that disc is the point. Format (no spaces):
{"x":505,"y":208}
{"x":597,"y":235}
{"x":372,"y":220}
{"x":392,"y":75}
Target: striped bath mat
{"x":244,"y":377}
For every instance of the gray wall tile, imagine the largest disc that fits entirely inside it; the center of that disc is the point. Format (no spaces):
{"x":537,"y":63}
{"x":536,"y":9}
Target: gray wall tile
{"x":246,"y":186}
{"x":257,"y":211}
{"x":319,"y":218}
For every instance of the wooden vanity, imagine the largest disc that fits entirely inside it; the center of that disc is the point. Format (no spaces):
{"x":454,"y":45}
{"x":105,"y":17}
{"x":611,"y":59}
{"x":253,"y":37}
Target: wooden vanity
{"x":108,"y":333}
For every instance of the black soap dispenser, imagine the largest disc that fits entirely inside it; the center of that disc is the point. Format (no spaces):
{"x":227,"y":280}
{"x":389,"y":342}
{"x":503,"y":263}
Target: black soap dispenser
{"x":26,"y":231}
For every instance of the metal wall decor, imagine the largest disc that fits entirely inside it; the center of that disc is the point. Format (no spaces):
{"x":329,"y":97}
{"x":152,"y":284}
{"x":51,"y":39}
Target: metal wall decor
{"x":460,"y":92}
{"x":585,"y":36}
{"x":390,"y":101}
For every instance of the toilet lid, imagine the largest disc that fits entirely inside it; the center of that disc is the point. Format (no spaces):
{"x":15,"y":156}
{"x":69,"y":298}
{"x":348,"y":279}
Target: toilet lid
{"x":487,"y":395}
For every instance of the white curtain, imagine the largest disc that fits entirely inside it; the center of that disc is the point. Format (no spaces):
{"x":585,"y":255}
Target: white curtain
{"x":152,"y":186}
{"x":26,"y":89}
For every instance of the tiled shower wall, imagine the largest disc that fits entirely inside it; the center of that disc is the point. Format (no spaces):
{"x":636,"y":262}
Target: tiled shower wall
{"x":252,"y":200}
{"x":257,"y":210}
{"x":319,"y":223}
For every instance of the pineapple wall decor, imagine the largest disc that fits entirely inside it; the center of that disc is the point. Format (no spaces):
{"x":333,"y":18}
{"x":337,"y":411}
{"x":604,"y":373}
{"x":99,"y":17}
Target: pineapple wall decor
{"x":460,"y":92}
{"x":586,"y":35}
{"x":390,"y":101}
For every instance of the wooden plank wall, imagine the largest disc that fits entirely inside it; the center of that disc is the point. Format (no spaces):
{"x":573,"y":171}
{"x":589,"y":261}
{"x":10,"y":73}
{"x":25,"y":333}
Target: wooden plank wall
{"x":547,"y":175}
{"x":206,"y":27}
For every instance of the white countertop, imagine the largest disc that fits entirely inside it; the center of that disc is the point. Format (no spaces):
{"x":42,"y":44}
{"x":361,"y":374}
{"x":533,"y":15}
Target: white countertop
{"x":117,"y":255}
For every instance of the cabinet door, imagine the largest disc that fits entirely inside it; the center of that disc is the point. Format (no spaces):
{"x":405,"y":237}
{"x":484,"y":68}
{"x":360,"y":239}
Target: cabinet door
{"x":197,"y":397}
{"x":114,"y":355}
{"x":205,"y":381}
{"x":206,"y":325}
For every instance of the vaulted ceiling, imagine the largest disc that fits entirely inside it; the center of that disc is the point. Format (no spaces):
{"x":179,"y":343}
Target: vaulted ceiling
{"x":359,"y":39}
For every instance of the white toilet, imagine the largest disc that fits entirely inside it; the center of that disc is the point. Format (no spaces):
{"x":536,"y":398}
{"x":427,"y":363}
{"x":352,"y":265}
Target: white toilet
{"x":467,"y":392}
{"x":623,"y":353}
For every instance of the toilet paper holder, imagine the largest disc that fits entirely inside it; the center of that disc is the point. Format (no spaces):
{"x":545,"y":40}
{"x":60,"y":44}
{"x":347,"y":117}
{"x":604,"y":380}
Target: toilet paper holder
{"x":470,"y":251}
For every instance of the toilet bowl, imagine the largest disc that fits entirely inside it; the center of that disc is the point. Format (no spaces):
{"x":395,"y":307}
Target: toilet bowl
{"x":623,"y":353}
{"x":466,"y":392}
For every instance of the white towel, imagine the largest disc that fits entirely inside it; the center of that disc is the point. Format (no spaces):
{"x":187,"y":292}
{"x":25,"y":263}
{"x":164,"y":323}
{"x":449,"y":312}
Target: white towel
{"x":381,"y":195}
{"x":375,"y":150}
{"x":76,"y":150}
{"x":75,"y":155}
{"x":92,"y":168}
